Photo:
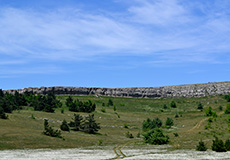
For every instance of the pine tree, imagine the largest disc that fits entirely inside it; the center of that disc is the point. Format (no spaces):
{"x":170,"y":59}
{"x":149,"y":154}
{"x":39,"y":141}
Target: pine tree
{"x":201,"y":146}
{"x":2,"y":114}
{"x":173,"y":104}
{"x":200,"y":106}
{"x":158,"y":122}
{"x":90,"y":125}
{"x":64,"y":126}
{"x":227,"y":145}
{"x":69,"y":101}
{"x":110,"y":102}
{"x":49,"y":131}
{"x":169,"y":122}
{"x":218,"y":145}
{"x":77,"y":122}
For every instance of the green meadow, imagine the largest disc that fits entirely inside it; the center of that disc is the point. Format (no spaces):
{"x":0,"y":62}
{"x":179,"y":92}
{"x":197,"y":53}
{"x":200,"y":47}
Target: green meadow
{"x":24,"y":127}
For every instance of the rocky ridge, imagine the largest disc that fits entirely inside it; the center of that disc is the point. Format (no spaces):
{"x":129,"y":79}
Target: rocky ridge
{"x":193,"y":90}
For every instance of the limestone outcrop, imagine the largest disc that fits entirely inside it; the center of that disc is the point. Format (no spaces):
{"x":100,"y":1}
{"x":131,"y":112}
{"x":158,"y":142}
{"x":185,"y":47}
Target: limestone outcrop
{"x":193,"y":90}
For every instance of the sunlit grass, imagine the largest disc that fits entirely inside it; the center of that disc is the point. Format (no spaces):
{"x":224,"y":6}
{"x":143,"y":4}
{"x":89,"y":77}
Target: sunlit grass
{"x":22,"y":131}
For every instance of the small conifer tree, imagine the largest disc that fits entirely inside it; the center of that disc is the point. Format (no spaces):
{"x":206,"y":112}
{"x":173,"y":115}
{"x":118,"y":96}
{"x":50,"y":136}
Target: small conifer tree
{"x":201,"y":146}
{"x":218,"y":145}
{"x":169,"y":122}
{"x":173,"y":104}
{"x":227,"y":145}
{"x":64,"y":126}
{"x":90,"y":125}
{"x":200,"y":106}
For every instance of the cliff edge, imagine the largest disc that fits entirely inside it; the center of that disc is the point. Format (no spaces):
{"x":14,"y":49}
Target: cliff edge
{"x":193,"y":90}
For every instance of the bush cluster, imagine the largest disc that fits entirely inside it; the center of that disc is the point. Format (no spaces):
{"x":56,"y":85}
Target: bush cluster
{"x":151,"y":124}
{"x":45,"y":103}
{"x":218,"y":145}
{"x":10,"y":102}
{"x":153,"y":134}
{"x":79,"y":106}
{"x":49,"y":131}
{"x":88,"y":125}
{"x":156,"y":137}
{"x":209,"y":112}
{"x":156,"y":123}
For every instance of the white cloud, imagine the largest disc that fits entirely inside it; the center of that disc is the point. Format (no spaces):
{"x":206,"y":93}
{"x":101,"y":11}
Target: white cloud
{"x":64,"y":33}
{"x":159,"y":12}
{"x":168,"y":29}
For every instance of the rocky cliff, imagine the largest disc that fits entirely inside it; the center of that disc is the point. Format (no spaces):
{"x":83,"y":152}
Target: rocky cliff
{"x":194,"y":90}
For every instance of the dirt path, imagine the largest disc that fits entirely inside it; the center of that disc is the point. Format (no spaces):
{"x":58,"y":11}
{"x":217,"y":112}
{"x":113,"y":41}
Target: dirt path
{"x":197,"y":126}
{"x":118,"y":150}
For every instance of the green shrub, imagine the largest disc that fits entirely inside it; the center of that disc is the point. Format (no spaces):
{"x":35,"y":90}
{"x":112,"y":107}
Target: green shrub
{"x":227,"y":145}
{"x":169,"y":122}
{"x":156,"y":137}
{"x":77,"y":122}
{"x":218,"y":145}
{"x":103,"y":110}
{"x":176,"y":115}
{"x":209,"y":112}
{"x":220,"y":108}
{"x":32,"y":116}
{"x":90,"y":126}
{"x":201,"y":146}
{"x":200,"y":106}
{"x":227,"y":97}
{"x":176,"y":134}
{"x":165,"y":106}
{"x":64,"y":126}
{"x":151,"y":124}
{"x":80,"y":106}
{"x":114,"y":108}
{"x":49,"y":131}
{"x":3,"y":114}
{"x":100,"y":141}
{"x":227,"y":110}
{"x":210,"y":120}
{"x":173,"y":104}
{"x":110,"y":102}
{"x":158,"y":122}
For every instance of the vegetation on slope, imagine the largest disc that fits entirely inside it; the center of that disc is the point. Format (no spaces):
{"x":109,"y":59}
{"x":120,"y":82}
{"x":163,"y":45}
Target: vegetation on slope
{"x":24,"y":127}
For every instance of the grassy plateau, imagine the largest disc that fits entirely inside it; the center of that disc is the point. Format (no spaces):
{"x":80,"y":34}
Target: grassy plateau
{"x":24,"y":127}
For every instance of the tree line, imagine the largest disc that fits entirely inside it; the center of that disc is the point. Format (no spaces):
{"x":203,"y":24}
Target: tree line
{"x":46,"y":103}
{"x":80,"y":106}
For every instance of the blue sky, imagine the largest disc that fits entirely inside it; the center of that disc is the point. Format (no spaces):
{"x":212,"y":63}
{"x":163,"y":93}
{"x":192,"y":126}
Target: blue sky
{"x":113,"y":43}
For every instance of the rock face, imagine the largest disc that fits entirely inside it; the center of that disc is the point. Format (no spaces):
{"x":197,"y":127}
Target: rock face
{"x":194,"y":90}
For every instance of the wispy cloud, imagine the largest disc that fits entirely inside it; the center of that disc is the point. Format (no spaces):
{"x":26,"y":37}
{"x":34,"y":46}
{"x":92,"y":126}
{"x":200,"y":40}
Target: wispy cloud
{"x":171,"y":30}
{"x":159,"y":12}
{"x":64,"y":34}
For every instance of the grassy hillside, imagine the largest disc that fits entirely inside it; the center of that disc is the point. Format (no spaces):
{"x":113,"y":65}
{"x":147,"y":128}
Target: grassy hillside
{"x":22,"y":131}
